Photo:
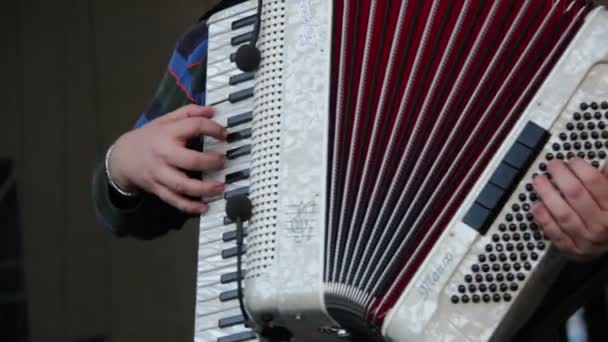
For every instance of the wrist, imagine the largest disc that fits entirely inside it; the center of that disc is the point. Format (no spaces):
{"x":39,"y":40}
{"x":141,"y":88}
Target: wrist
{"x":118,"y":183}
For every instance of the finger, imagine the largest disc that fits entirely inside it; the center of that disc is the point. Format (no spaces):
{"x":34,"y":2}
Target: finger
{"x":184,"y":112}
{"x":180,"y":202}
{"x":562,"y":214}
{"x":552,"y":230}
{"x":191,"y":160}
{"x":180,"y":183}
{"x":196,"y":126}
{"x":595,"y":182}
{"x":579,"y":199}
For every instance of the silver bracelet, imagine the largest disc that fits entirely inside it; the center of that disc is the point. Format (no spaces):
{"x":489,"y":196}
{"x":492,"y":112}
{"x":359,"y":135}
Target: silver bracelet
{"x":111,"y":181}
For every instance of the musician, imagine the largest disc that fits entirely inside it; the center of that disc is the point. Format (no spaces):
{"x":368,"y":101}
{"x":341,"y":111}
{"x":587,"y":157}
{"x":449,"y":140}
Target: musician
{"x":149,"y":181}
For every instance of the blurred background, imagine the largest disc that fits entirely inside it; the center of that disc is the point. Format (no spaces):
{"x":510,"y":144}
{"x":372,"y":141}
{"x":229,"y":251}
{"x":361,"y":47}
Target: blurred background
{"x":76,"y":74}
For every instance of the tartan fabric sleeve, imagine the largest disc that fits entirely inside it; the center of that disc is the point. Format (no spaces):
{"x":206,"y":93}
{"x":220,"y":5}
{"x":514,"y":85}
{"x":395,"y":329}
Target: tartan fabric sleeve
{"x":148,"y":217}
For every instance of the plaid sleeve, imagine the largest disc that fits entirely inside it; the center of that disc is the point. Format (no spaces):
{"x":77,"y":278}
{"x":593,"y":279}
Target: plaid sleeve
{"x":183,"y":83}
{"x":184,"y":80}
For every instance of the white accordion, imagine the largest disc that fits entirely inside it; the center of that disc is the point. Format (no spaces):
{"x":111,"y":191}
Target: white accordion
{"x":387,"y":148}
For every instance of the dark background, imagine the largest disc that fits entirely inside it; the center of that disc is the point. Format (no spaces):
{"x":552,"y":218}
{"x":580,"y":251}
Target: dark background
{"x":75,"y":75}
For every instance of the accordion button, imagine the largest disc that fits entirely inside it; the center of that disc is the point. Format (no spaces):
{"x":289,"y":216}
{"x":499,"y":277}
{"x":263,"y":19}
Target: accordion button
{"x":236,"y":176}
{"x":455,"y":299}
{"x":491,"y":196}
{"x":229,"y":277}
{"x":229,"y":295}
{"x":240,"y":119}
{"x":244,"y":22}
{"x":505,"y":176}
{"x":507,"y":297}
{"x":479,"y":218}
{"x":533,"y":136}
{"x":519,"y":156}
{"x":239,"y":135}
{"x":242,"y":38}
{"x":240,"y":95}
{"x":247,"y":58}
{"x":486,"y":298}
{"x":240,"y":78}
{"x":238,"y":152}
{"x":604,"y":105}
{"x":231,"y":321}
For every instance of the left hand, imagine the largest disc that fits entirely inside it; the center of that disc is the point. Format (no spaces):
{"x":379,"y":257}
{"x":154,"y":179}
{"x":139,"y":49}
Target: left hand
{"x":577,"y":222}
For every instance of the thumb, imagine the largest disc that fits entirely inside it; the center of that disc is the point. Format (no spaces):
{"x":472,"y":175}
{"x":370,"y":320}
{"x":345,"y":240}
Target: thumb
{"x":188,"y":111}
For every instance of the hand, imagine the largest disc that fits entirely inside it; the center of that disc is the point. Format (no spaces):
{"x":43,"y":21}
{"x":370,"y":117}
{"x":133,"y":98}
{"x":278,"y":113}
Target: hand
{"x":577,"y":222}
{"x":154,"y":158}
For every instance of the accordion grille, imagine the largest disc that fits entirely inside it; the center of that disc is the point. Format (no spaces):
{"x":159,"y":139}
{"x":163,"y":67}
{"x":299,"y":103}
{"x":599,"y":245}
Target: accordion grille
{"x":423,"y":95}
{"x":265,"y":163}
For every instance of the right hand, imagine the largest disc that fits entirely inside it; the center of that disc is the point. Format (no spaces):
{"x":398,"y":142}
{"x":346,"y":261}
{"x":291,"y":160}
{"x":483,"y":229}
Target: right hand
{"x":154,"y":158}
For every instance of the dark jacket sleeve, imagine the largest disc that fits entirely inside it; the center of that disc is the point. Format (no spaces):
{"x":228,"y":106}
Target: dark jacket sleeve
{"x":144,"y":217}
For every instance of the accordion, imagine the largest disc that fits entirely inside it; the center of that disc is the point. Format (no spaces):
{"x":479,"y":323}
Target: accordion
{"x":387,"y":149}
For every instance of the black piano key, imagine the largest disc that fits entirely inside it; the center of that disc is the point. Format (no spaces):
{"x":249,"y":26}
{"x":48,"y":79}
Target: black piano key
{"x":505,"y":177}
{"x":237,"y":192}
{"x":229,"y":277}
{"x":230,"y":252}
{"x":240,"y":78}
{"x":231,"y":321}
{"x":479,"y":218}
{"x":491,"y":197}
{"x":239,"y":337}
{"x":241,"y":38}
{"x":227,"y":296}
{"x":238,"y":152}
{"x":229,"y":236}
{"x":250,"y":20}
{"x":533,"y":136}
{"x":239,"y":135}
{"x":519,"y":156}
{"x":240,"y":119}
{"x":233,"y":57}
{"x":236,"y":176}
{"x":240,"y":95}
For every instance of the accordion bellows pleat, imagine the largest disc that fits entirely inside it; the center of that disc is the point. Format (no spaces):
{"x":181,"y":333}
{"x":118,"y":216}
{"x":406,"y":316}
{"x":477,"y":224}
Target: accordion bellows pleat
{"x":423,"y":94}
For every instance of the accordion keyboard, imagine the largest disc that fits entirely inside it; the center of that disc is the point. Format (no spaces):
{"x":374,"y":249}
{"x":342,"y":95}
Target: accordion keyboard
{"x":230,"y":92}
